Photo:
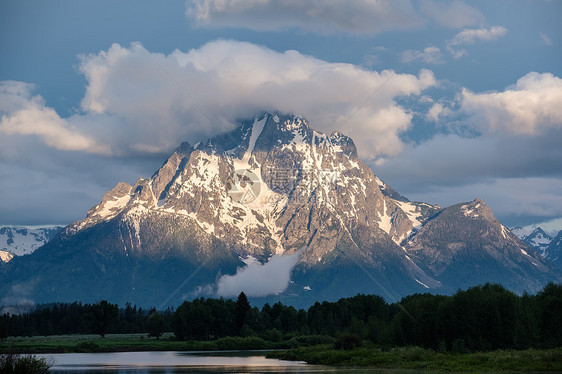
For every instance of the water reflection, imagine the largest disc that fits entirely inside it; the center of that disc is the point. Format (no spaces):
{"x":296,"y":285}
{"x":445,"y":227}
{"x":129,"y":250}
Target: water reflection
{"x":238,"y":362}
{"x":174,"y":362}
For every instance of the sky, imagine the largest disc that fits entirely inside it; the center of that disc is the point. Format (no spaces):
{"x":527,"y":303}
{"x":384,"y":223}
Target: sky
{"x":446,"y":100}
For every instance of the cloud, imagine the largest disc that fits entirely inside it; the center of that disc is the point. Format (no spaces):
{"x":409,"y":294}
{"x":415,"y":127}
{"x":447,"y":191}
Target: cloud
{"x":545,"y":39}
{"x":436,"y":111}
{"x":41,"y":185}
{"x":453,"y":15}
{"x":258,"y":279}
{"x":496,"y":145}
{"x":471,"y":36}
{"x":429,"y":55}
{"x":196,"y":94}
{"x":23,"y":114}
{"x":326,"y":17}
{"x":138,"y":106}
{"x":17,"y":300}
{"x":516,"y":176}
{"x":551,"y":227}
{"x":527,"y":108}
{"x":513,"y":148}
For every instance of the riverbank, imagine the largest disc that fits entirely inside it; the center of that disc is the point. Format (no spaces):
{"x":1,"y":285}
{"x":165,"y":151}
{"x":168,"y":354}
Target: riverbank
{"x":126,"y":343}
{"x":419,"y":358}
{"x":303,"y":349}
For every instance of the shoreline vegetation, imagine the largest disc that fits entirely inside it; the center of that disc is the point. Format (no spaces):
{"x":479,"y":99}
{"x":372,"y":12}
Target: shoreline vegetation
{"x":427,"y":359}
{"x":483,"y":328}
{"x":365,"y":354}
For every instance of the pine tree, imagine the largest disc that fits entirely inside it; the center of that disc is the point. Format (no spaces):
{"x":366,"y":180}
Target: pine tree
{"x":242,"y":309}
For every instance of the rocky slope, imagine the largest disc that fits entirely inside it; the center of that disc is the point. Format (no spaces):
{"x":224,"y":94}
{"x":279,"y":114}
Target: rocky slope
{"x":547,"y":246}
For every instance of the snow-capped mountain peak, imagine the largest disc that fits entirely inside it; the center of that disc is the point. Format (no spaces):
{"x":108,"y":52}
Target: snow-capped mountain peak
{"x":20,"y":240}
{"x":276,"y":187}
{"x":292,"y":164}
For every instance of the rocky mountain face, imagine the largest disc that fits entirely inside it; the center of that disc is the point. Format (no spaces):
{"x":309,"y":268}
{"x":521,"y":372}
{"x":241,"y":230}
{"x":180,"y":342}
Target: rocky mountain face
{"x":5,"y":256}
{"x":273,"y":188}
{"x":19,"y":241}
{"x":554,"y":250}
{"x":547,"y":246}
{"x":537,"y":239}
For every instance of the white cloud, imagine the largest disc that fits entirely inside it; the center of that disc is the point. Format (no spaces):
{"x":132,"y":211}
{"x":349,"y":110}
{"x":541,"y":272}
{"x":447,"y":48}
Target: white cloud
{"x":507,"y":197}
{"x":529,"y":107}
{"x":471,"y":36}
{"x":516,"y":177}
{"x":453,"y":15}
{"x":259,"y":279}
{"x":152,"y":95}
{"x":24,"y":114}
{"x":135,"y":111}
{"x":545,"y":38}
{"x":429,"y":55}
{"x":511,"y":158}
{"x":551,"y":226}
{"x":437,"y":110}
{"x":355,"y":17}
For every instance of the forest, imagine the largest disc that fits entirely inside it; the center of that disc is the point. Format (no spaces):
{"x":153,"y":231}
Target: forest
{"x":482,"y":318}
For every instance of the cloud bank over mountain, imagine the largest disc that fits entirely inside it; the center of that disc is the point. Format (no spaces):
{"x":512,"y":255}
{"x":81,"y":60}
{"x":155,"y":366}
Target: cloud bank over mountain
{"x":87,"y":99}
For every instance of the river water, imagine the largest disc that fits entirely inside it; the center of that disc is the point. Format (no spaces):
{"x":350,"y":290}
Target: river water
{"x":176,"y":362}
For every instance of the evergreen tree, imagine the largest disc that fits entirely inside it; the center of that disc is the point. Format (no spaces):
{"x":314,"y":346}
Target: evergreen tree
{"x":156,"y":325}
{"x":241,"y":311}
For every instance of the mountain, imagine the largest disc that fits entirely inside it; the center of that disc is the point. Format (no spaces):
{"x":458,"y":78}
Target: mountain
{"x":19,"y":241}
{"x":537,"y":239}
{"x":548,"y":247}
{"x":554,"y":250}
{"x":272,"y":208}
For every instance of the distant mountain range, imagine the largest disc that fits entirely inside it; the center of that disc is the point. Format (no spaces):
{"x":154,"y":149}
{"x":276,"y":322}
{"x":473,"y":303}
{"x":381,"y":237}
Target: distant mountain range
{"x":280,"y":211}
{"x":547,"y":246}
{"x":19,"y":241}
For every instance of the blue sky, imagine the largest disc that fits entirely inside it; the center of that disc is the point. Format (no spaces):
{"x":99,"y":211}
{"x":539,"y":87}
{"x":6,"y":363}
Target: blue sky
{"x":466,"y":96}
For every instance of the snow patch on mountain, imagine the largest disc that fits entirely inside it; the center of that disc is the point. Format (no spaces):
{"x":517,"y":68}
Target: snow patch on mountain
{"x":19,"y":240}
{"x":470,"y":210}
{"x":412,"y":211}
{"x":385,"y":219}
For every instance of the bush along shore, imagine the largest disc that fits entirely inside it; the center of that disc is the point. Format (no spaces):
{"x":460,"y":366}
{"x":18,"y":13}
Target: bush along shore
{"x":427,"y":359}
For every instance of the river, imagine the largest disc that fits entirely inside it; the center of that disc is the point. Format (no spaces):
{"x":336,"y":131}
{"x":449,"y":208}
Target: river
{"x":175,"y":362}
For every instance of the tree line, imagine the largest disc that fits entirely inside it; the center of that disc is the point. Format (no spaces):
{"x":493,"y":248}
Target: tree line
{"x":481,"y":318}
{"x":76,"y":318}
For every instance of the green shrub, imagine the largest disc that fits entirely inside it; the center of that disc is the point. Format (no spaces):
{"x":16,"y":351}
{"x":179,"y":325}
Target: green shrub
{"x":308,"y":340}
{"x":27,"y":364}
{"x":347,"y":342}
{"x":235,"y":343}
{"x":273,"y":335}
{"x":87,"y":346}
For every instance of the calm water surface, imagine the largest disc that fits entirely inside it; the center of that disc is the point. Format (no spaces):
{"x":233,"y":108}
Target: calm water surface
{"x":193,"y":362}
{"x":175,"y":362}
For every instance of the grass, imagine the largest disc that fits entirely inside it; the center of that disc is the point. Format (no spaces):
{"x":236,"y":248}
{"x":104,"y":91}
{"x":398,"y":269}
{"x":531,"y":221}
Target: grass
{"x":90,"y":343}
{"x":28,"y":364}
{"x":126,"y":343}
{"x":419,"y":358}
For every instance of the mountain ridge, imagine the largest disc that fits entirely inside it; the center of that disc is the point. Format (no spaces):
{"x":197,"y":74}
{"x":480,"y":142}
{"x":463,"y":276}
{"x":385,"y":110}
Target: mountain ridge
{"x":274,"y":187}
{"x":549,"y":247}
{"x":21,"y":240}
